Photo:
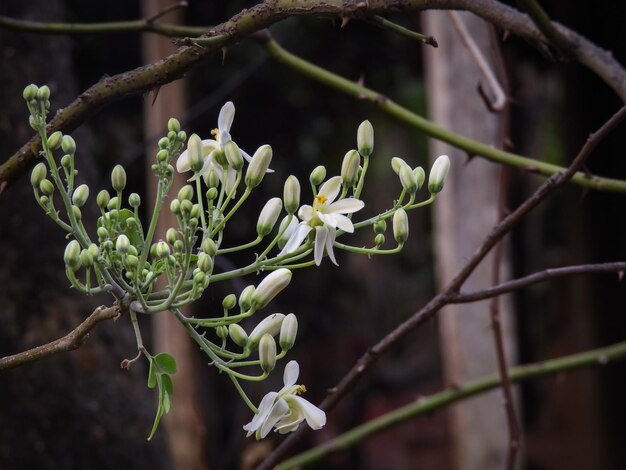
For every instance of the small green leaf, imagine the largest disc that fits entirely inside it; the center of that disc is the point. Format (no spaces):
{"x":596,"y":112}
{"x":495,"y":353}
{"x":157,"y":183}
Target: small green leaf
{"x":159,"y":267}
{"x":133,"y":233}
{"x":152,"y":373}
{"x":167,"y":404}
{"x":166,"y":363}
{"x":159,"y":413}
{"x":168,"y":386}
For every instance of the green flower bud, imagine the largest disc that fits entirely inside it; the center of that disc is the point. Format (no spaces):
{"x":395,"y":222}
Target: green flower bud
{"x":267,"y":353}
{"x":211,"y":193}
{"x":379,"y":239}
{"x":195,"y":211}
{"x":112,"y":205}
{"x":380,"y":226}
{"x":132,"y":262}
{"x":186,"y":206}
{"x":438,"y":173}
{"x":134,"y":200}
{"x":400,"y":226}
{"x":77,"y":214}
{"x":103,"y":234}
{"x":238,"y":335}
{"x":291,"y":194}
{"x":270,"y":325}
{"x":173,"y":125}
{"x":153,"y":252}
{"x":162,"y":249}
{"x":171,"y":135}
{"x":199,"y":277}
{"x":171,"y":235}
{"x":245,"y":298}
{"x":102,"y":199}
{"x":258,"y":166}
{"x":396,"y":164}
{"x":269,"y":216}
{"x":94,"y":250}
{"x":233,"y":155}
{"x":72,"y":255}
{"x":43,"y":200}
{"x":132,"y":250}
{"x":30,"y":92}
{"x":86,"y":259}
{"x":163,"y":142}
{"x":43,"y":93}
{"x":46,"y":187}
{"x":209,"y":247}
{"x":221,"y":331}
{"x":194,"y":151}
{"x":122,"y":244}
{"x":181,"y":136}
{"x":66,"y":161}
{"x":178,"y":246}
{"x":270,"y":287}
{"x":79,"y":198}
{"x":186,"y":193}
{"x":350,"y":168}
{"x":318,"y":175}
{"x":288,"y":332}
{"x":408,"y":179}
{"x":229,"y":301}
{"x":162,"y":155}
{"x":68,"y":144}
{"x":54,"y":141}
{"x":38,"y":174}
{"x":211,"y":179}
{"x":118,"y":178}
{"x":175,"y":207}
{"x":420,"y":176}
{"x":219,"y":157}
{"x":365,"y":138}
{"x":205,"y":262}
{"x":32,"y":122}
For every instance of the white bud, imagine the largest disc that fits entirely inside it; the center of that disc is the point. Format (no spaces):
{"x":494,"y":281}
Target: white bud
{"x":269,"y":325}
{"x":269,"y":216}
{"x":233,"y":155}
{"x":396,"y":164}
{"x":291,"y":194}
{"x":72,"y":255}
{"x":267,"y":353}
{"x":350,"y":168}
{"x":365,"y":138}
{"x":288,"y":332}
{"x":122,"y":244}
{"x":270,"y":287}
{"x":194,"y":151}
{"x":79,"y":198}
{"x":408,"y":179}
{"x":258,"y":166}
{"x":400,"y":226}
{"x":238,"y":335}
{"x":118,"y":178}
{"x":438,"y":174}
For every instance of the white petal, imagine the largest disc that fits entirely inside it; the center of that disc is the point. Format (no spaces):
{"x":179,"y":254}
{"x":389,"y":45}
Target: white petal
{"x":330,"y":239}
{"x":290,"y":422}
{"x":209,"y":164}
{"x":305,"y":212}
{"x":296,"y":239}
{"x":182,"y":164}
{"x":292,"y":371}
{"x":264,"y":410}
{"x":279,"y":410}
{"x":315,"y":417}
{"x":231,"y":178}
{"x":208,"y":145}
{"x":345,"y":206}
{"x":343,"y":223}
{"x":226,"y":116}
{"x":245,"y":155}
{"x":331,"y":188}
{"x":328,"y":219}
{"x":321,"y":233}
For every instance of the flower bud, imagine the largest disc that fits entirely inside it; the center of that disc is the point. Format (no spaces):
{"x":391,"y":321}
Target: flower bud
{"x":173,"y":125}
{"x":269,"y":216}
{"x":72,"y":255}
{"x":132,"y":262}
{"x":43,"y":200}
{"x":79,"y":198}
{"x":68,"y":144}
{"x":380,"y":226}
{"x":238,"y":335}
{"x":267,"y":353}
{"x":396,"y":164}
{"x":46,"y":187}
{"x":162,"y":249}
{"x":258,"y":166}
{"x":219,"y":157}
{"x":205,"y":263}
{"x":77,"y":214}
{"x":163,"y":143}
{"x":175,"y":207}
{"x":211,"y":193}
{"x":365,"y":138}
{"x":400,"y":226}
{"x":38,"y":174}
{"x":288,"y":332}
{"x":118,"y":178}
{"x":102,"y":199}
{"x":318,"y":175}
{"x":30,"y":92}
{"x":94,"y":250}
{"x":134,"y":200}
{"x":438,"y":173}
{"x":171,"y":235}
{"x":181,"y":136}
{"x":194,"y":151}
{"x":209,"y":247}
{"x":153,"y":248}
{"x":54,"y":141}
{"x":420,"y":176}
{"x":43,"y":93}
{"x":103,"y":234}
{"x":408,"y":179}
{"x":350,"y":168}
{"x":269,"y":287}
{"x":32,"y":122}
{"x":233,"y":155}
{"x":379,"y":239}
{"x":186,"y":206}
{"x":291,"y":194}
{"x":245,"y":298}
{"x":178,"y":246}
{"x":122,"y":244}
{"x":195,"y":211}
{"x":132,"y":250}
{"x":286,"y":234}
{"x":186,"y":193}
{"x":221,"y":331}
{"x":199,"y":277}
{"x":66,"y":161}
{"x":211,"y":179}
{"x":270,"y":325}
{"x":229,"y":301}
{"x":162,"y":155}
{"x":112,"y":205}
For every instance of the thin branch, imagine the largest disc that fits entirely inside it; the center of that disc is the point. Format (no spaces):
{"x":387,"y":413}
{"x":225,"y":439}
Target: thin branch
{"x":549,"y":30}
{"x":437,"y":401}
{"x":434,"y":305}
{"x":264,"y":14}
{"x":72,"y":340}
{"x":396,"y":28}
{"x":535,"y":278}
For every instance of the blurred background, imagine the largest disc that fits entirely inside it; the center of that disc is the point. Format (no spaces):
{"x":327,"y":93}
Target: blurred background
{"x":80,"y":410}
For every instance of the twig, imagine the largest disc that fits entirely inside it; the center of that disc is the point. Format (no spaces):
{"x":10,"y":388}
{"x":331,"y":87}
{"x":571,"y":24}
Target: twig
{"x":396,"y":28}
{"x":69,"y":342}
{"x":427,"y":405}
{"x":434,"y":305}
{"x":542,"y":20}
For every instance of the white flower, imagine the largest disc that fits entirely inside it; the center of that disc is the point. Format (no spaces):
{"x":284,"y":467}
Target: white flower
{"x":325,"y":216}
{"x":285,"y":410}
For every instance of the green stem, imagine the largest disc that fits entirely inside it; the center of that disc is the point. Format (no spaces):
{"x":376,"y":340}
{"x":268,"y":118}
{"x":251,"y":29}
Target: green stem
{"x":442,"y":399}
{"x":396,"y":28}
{"x":241,"y":200}
{"x":200,"y":197}
{"x":369,"y":251}
{"x":254,"y":409}
{"x":232,"y":249}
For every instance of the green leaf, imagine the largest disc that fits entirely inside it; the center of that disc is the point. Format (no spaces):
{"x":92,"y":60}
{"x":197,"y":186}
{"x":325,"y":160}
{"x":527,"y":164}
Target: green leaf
{"x":133,"y":233}
{"x":168,"y":385}
{"x":166,"y":363}
{"x":152,"y":375}
{"x":159,"y":413}
{"x":159,"y":267}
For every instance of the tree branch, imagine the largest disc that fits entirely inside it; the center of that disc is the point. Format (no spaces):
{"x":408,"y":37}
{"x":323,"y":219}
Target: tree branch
{"x":427,"y":405}
{"x":73,"y":340}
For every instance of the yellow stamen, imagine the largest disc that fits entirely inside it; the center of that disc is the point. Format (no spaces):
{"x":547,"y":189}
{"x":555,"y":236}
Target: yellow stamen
{"x":300,"y":390}
{"x":321,"y":198}
{"x":214,"y":132}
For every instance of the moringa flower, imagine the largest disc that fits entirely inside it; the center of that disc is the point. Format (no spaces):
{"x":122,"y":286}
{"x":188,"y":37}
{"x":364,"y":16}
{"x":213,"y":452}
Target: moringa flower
{"x":285,"y":410}
{"x":325,"y":216}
